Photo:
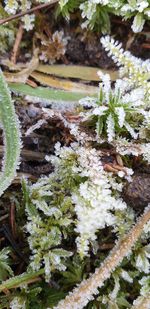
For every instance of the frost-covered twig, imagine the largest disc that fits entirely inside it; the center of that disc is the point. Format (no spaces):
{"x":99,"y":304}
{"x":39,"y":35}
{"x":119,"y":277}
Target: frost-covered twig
{"x":30,"y":11}
{"x":85,"y":291}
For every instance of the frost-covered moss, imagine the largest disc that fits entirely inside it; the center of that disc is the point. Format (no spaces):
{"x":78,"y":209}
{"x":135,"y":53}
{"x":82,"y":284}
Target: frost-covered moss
{"x":79,"y":208}
{"x":96,"y":12}
{"x":13,"y":6}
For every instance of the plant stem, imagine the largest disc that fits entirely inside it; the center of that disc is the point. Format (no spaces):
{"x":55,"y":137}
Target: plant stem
{"x":22,"y":279}
{"x":85,"y":291}
{"x":17,"y":44}
{"x":38,"y":7}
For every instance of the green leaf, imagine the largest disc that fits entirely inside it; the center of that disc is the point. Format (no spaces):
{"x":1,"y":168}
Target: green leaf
{"x":30,"y":208}
{"x":19,"y":280}
{"x":5,"y":269}
{"x":75,"y":71}
{"x":138,"y":23}
{"x":46,"y":93}
{"x":10,"y":124}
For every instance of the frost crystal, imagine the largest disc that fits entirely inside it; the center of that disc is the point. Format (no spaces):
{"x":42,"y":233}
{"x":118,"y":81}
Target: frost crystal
{"x":137,"y":69}
{"x":115,"y":108}
{"x":18,"y":303}
{"x":121,"y":111}
{"x":140,"y":10}
{"x":142,"y":260}
{"x":93,"y":199}
{"x":11,"y":6}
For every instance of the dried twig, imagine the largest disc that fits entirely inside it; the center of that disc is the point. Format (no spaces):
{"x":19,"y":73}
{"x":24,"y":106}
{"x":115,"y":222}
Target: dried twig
{"x":22,"y":76}
{"x":146,"y":45}
{"x":17,"y":44}
{"x":38,"y":7}
{"x":12,"y":219}
{"x":82,"y":294}
{"x":27,"y":155}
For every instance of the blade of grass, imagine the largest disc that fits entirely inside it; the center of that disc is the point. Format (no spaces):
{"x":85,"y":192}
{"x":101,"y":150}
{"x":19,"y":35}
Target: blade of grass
{"x":46,"y":93}
{"x":63,"y":84}
{"x":12,"y":142}
{"x":21,"y":279}
{"x":75,"y":71}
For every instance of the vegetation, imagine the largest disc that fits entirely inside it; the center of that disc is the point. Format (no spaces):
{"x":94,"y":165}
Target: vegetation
{"x":76,"y":221}
{"x":94,"y":12}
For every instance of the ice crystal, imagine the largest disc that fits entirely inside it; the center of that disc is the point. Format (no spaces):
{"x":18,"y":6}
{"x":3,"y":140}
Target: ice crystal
{"x":142,"y":259}
{"x":145,"y":285}
{"x":146,"y":151}
{"x":82,"y":294}
{"x":13,"y":6}
{"x":4,"y":264}
{"x":93,"y":196}
{"x":79,"y":195}
{"x":45,"y":225}
{"x":116,"y":110}
{"x":121,"y":112}
{"x":88,"y":190}
{"x":95,"y":12}
{"x":137,"y":69}
{"x":141,"y":9}
{"x":18,"y":303}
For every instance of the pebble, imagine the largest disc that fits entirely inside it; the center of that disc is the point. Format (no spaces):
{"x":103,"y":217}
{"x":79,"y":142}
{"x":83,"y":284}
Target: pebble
{"x":137,"y":193}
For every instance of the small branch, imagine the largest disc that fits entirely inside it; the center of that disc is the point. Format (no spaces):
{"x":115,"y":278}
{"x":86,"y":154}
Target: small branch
{"x":38,"y":7}
{"x":82,"y":294}
{"x":12,"y":219}
{"x":27,"y":155}
{"x":146,"y":45}
{"x":17,"y":44}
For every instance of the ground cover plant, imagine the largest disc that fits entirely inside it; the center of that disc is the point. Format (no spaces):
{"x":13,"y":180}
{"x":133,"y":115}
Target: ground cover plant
{"x":94,"y":12}
{"x":75,"y":222}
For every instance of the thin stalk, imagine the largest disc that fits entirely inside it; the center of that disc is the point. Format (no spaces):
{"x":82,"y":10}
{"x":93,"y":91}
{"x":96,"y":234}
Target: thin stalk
{"x":82,"y":294}
{"x":24,"y":278}
{"x":30,"y":11}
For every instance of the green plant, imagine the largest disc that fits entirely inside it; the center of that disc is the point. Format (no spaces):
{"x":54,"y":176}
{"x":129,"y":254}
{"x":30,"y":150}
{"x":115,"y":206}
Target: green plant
{"x":5,"y":268}
{"x":11,"y":132}
{"x":7,"y":33}
{"x":78,"y":208}
{"x":13,"y":6}
{"x":120,"y":114}
{"x":66,"y":7}
{"x":84,"y":292}
{"x":96,"y":13}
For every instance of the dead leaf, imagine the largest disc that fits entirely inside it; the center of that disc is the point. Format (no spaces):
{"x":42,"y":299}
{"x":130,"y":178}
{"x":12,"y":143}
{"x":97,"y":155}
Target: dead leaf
{"x":22,"y":76}
{"x":63,"y":84}
{"x":76,"y":71}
